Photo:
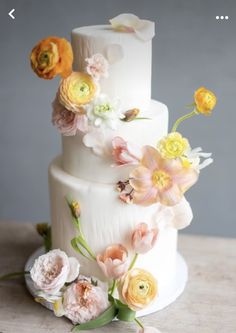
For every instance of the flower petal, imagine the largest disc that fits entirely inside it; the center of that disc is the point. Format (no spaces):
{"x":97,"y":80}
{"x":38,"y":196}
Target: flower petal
{"x":140,"y":178}
{"x":185,"y":178}
{"x":145,"y":30}
{"x":151,"y":158}
{"x":146,"y":198}
{"x":183,"y":214}
{"x":74,"y":269}
{"x":171,"y":196}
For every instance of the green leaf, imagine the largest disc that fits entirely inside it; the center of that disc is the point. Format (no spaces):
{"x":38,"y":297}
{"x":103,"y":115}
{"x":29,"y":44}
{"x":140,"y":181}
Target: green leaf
{"x":84,"y":244}
{"x":105,"y":318}
{"x":77,"y":248}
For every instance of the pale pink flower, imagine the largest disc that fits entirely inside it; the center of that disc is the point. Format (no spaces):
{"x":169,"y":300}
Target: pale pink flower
{"x":52,"y":270}
{"x":68,"y":122}
{"x":148,"y":329}
{"x":160,"y":180}
{"x":114,"y":261}
{"x":143,"y":238}
{"x":125,"y":152}
{"x":97,"y":66}
{"x":83,"y":301}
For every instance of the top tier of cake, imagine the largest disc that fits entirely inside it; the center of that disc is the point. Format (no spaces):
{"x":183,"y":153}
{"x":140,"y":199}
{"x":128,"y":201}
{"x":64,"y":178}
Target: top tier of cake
{"x":130,"y":58}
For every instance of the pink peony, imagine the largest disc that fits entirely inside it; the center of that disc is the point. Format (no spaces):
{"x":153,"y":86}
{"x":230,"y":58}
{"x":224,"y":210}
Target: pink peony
{"x":97,"y":66}
{"x":148,"y":329}
{"x":82,"y":301}
{"x":160,"y":180}
{"x":52,"y":270}
{"x":143,"y":238}
{"x":124,"y":152}
{"x":68,"y":122}
{"x":114,"y":261}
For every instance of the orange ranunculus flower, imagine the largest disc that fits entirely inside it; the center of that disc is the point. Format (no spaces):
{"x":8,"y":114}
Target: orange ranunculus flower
{"x":76,"y":90}
{"x":137,"y":288}
{"x":205,"y":100}
{"x":52,"y":56}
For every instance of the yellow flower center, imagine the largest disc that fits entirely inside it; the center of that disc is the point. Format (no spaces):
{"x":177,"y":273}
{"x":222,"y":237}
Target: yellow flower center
{"x":161,"y":179}
{"x":48,"y":57}
{"x":143,"y":288}
{"x":102,"y":109}
{"x":80,"y":89}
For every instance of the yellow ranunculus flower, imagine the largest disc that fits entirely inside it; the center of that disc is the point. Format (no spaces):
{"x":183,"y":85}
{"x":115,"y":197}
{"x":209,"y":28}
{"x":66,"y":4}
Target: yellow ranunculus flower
{"x":173,"y":146}
{"x":76,"y":90}
{"x":137,"y":288}
{"x":205,"y":100}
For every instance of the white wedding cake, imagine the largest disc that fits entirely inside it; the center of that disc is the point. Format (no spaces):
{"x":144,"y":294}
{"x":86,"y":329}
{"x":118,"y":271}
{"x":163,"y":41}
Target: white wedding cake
{"x":91,"y":178}
{"x":117,"y":190}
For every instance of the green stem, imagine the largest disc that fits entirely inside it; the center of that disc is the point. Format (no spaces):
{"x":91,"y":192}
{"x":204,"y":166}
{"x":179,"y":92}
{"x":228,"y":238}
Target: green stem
{"x":179,"y":120}
{"x":139,"y":323}
{"x":133,"y":261}
{"x":113,"y":288}
{"x":13,"y":275}
{"x":79,"y":228}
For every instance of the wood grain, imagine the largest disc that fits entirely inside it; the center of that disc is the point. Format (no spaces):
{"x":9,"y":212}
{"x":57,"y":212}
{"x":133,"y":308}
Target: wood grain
{"x":208,"y":304}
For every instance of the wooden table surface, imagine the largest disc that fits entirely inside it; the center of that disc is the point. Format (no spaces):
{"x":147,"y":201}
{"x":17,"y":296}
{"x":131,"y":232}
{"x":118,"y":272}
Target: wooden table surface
{"x":208,"y":304}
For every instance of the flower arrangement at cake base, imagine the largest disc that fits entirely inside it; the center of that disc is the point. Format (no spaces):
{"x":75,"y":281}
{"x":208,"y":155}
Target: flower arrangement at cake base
{"x":88,"y":302}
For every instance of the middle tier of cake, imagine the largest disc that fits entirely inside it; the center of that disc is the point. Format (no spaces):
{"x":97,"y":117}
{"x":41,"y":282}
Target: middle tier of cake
{"x":80,"y":161}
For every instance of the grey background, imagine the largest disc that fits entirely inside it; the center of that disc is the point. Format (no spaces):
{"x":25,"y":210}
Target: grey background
{"x":191,"y":48}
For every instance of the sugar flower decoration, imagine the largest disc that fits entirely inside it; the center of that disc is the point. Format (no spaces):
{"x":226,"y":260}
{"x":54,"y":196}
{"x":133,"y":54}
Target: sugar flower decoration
{"x":52,"y":56}
{"x":130,"y":23}
{"x":194,"y":157}
{"x":160,"y":180}
{"x":143,"y":238}
{"x":103,"y":112}
{"x":97,"y":66}
{"x":125,"y":153}
{"x":137,"y":288}
{"x":68,"y":122}
{"x":52,"y":270}
{"x":76,"y":90}
{"x":83,"y":301}
{"x":114,"y":261}
{"x":178,"y":216}
{"x":96,"y":140}
{"x":205,"y":100}
{"x":173,"y":146}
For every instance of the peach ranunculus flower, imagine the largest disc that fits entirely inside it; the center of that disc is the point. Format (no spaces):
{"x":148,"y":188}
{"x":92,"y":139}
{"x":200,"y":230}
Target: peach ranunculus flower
{"x":52,"y":270}
{"x":52,"y":56}
{"x":205,"y":100}
{"x":97,"y":66}
{"x":68,"y":122}
{"x":83,"y":301}
{"x":114,"y":261}
{"x":124,"y":152}
{"x":137,"y":288}
{"x":76,"y":90}
{"x":143,"y":238}
{"x":160,"y":180}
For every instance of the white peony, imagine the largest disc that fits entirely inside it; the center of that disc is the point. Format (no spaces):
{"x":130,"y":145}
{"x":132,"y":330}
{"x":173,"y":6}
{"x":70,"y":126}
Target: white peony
{"x":52,"y":270}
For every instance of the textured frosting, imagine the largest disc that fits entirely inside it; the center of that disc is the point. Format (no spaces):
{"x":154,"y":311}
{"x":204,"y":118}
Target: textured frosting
{"x":130,"y":69}
{"x":106,"y":220}
{"x":80,"y":161}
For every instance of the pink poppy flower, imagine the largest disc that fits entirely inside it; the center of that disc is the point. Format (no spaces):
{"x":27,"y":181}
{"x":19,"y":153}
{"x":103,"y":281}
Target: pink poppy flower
{"x":143,"y":239}
{"x":124,"y":152}
{"x":160,"y":180}
{"x":114,"y":261}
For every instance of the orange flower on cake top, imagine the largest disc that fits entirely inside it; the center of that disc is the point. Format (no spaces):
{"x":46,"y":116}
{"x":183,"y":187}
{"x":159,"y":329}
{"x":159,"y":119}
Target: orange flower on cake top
{"x":52,"y":56}
{"x":162,"y":180}
{"x":77,"y":90}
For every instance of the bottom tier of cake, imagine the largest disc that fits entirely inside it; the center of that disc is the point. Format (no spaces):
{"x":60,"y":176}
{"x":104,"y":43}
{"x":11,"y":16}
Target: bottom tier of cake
{"x":106,"y":220}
